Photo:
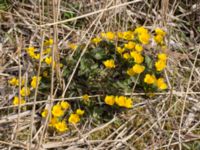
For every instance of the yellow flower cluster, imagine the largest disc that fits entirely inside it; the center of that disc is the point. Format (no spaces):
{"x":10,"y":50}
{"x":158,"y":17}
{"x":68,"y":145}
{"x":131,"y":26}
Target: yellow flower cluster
{"x":126,"y":35}
{"x":15,"y":82}
{"x":161,"y":63}
{"x":160,"y":83}
{"x":138,"y":58}
{"x":17,"y":101}
{"x":121,"y":101}
{"x":32,"y":54}
{"x":130,"y":45}
{"x":61,"y":126}
{"x":47,"y":50}
{"x":151,"y":79}
{"x":132,"y":49}
{"x":74,"y":118}
{"x":58,"y":111}
{"x":142,"y":34}
{"x":25,"y":91}
{"x":159,"y":37}
{"x":108,"y":36}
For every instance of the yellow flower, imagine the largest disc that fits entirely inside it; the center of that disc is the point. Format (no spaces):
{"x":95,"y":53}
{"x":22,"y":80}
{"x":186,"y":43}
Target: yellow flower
{"x":130,"y":45}
{"x":61,"y":126}
{"x":149,"y":79}
{"x":30,"y":49}
{"x":138,"y":47}
{"x":17,"y":101}
{"x":45,"y":74}
{"x":96,"y":40}
{"x":109,"y":100}
{"x":159,"y":39}
{"x":143,"y":35}
{"x":72,"y":46}
{"x":162,"y":56}
{"x":48,"y":42}
{"x":44,"y":113}
{"x":128,"y":103}
{"x":74,"y":118}
{"x":64,"y":105}
{"x":25,"y":91}
{"x":160,"y":32}
{"x":14,"y":81}
{"x":138,"y":68}
{"x":53,"y":121}
{"x":48,"y":60}
{"x":31,"y":54}
{"x":123,"y":101}
{"x":120,"y":50}
{"x":160,"y":65}
{"x":128,"y":35}
{"x":161,"y":84}
{"x":108,"y":35}
{"x":140,"y":30}
{"x":80,"y":112}
{"x":34,"y":81}
{"x":109,"y":63}
{"x":36,"y":56}
{"x":126,"y":56}
{"x":120,"y":35}
{"x":85,"y":97}
{"x":57,"y":111}
{"x":47,"y":51}
{"x":138,"y":58}
{"x":130,"y":72}
{"x":144,"y":38}
{"x":120,"y":101}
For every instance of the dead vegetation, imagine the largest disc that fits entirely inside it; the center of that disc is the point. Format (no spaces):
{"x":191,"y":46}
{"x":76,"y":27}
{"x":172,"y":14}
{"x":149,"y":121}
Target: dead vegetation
{"x":167,"y":120}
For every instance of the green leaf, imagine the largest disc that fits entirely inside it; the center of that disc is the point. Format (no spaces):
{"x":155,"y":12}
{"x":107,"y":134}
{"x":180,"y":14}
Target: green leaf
{"x":69,"y":15}
{"x":149,"y":62}
{"x":198,"y":28}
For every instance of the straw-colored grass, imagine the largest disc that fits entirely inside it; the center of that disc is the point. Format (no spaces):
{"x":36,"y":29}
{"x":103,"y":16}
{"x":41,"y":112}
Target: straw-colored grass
{"x":168,"y":120}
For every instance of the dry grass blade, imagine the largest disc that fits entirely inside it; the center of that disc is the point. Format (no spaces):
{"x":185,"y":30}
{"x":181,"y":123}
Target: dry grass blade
{"x":167,"y":119}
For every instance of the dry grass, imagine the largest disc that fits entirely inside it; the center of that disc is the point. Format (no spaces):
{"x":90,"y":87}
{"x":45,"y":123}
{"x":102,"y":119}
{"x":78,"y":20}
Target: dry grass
{"x":168,"y":120}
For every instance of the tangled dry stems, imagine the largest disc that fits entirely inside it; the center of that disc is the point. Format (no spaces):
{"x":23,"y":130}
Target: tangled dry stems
{"x":168,"y":120}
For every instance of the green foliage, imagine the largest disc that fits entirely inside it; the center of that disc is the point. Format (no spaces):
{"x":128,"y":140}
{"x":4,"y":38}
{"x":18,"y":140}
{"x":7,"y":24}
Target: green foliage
{"x":103,"y":70}
{"x":3,"y":4}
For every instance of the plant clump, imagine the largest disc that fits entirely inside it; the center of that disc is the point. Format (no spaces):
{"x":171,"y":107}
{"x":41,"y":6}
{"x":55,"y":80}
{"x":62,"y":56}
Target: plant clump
{"x":113,"y":64}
